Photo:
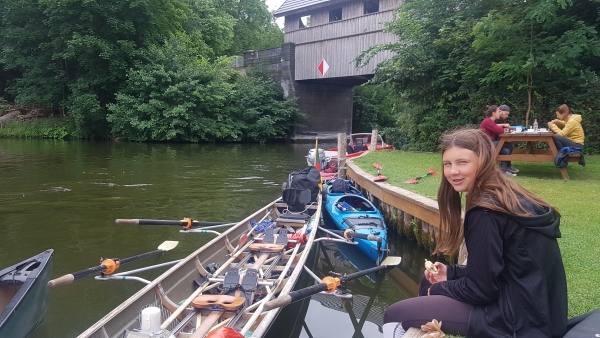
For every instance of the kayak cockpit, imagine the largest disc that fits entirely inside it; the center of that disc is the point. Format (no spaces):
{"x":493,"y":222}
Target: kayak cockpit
{"x":354,"y":203}
{"x":357,"y":223}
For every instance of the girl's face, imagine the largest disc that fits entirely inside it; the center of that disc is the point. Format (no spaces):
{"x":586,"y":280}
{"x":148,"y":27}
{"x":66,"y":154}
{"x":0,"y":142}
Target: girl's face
{"x":561,"y":116}
{"x":495,"y":115}
{"x":460,"y":168}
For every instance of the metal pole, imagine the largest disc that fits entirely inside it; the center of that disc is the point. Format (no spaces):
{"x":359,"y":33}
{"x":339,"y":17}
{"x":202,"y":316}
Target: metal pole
{"x":342,"y":155}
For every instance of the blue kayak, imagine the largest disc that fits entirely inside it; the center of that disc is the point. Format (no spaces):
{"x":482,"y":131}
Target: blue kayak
{"x":351,"y":210}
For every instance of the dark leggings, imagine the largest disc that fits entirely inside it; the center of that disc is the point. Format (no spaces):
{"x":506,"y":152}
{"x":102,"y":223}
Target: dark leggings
{"x":561,"y":141}
{"x":507,"y":149}
{"x":414,"y":312}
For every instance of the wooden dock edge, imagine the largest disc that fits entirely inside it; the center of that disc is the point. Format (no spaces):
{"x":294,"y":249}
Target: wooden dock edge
{"x":410,"y":214}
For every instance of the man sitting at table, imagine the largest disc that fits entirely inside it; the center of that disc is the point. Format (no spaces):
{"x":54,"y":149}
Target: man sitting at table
{"x":489,"y":126}
{"x":504,"y":112}
{"x":567,"y":129}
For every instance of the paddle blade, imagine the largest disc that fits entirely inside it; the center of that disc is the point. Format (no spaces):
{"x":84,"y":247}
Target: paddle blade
{"x":243,"y":240}
{"x":380,"y":178}
{"x":317,"y":159}
{"x":377,"y":166}
{"x":433,"y":172}
{"x":225,"y":332}
{"x":413,"y":181}
{"x":391,"y":261}
{"x":168,"y":245}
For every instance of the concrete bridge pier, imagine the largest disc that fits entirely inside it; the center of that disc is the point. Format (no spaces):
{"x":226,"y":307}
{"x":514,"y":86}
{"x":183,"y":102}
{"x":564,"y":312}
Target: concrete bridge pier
{"x":326,"y":102}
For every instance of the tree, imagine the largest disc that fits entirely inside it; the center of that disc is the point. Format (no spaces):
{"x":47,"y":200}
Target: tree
{"x":455,"y":57}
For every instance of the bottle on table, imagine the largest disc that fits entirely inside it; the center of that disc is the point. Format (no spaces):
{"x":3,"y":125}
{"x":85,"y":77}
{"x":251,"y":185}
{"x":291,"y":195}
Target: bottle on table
{"x":535,"y":125}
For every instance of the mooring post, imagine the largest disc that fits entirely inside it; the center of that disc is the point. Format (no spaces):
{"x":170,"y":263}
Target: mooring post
{"x":341,"y":155}
{"x":373,"y":140}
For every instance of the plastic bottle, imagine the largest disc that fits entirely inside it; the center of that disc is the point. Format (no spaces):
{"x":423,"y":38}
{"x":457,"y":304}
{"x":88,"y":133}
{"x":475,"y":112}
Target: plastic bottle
{"x":535,"y":125}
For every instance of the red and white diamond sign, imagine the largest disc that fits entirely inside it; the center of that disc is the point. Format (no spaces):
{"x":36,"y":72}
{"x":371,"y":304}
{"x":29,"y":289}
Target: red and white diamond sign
{"x":323,"y":67}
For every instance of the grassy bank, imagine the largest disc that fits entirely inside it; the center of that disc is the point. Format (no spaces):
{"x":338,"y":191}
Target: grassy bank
{"x":575,"y":199}
{"x":56,"y":128}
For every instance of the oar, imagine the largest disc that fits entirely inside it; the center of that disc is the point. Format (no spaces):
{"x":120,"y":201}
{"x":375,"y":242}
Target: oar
{"x":317,"y":163}
{"x":328,"y":284}
{"x":350,"y":234}
{"x":417,"y":179}
{"x":186,"y":222}
{"x":379,"y":178}
{"x":108,"y":266}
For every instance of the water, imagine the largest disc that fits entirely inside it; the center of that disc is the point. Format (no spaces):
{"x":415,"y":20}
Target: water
{"x":66,"y":195}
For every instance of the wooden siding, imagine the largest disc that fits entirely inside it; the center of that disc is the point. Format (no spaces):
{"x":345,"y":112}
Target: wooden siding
{"x":339,"y":54}
{"x":319,"y":17}
{"x":294,"y":5}
{"x":385,"y":5}
{"x":364,"y":24}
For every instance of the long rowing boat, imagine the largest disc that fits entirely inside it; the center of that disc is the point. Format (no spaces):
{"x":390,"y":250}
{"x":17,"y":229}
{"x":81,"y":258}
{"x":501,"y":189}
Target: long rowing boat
{"x":24,"y":295}
{"x":225,"y":282}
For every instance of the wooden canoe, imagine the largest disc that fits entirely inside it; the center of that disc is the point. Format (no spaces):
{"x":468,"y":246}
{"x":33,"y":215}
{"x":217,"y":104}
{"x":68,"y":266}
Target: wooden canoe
{"x":177,"y":291}
{"x":24,"y":295}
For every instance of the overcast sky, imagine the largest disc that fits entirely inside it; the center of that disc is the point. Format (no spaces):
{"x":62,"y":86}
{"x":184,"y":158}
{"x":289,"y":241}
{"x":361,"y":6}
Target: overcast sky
{"x":273,"y":5}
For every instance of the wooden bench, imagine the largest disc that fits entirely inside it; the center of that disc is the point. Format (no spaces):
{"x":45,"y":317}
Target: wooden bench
{"x":530,"y":154}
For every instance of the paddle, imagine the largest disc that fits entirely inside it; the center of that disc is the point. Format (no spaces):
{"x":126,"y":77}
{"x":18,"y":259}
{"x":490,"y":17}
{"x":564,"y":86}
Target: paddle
{"x":328,"y":284}
{"x":108,"y":266}
{"x":350,"y":234}
{"x":417,"y":179}
{"x":379,"y":178}
{"x":186,"y":222}
{"x":317,"y":160}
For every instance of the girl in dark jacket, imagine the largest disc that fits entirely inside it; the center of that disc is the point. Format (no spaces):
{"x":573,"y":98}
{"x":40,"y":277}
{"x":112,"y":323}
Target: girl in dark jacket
{"x":514,"y":284}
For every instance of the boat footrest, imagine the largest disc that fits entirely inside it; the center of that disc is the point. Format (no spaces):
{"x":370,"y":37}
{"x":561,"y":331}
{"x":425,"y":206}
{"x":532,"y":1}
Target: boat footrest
{"x":300,"y":216}
{"x":294,"y":223}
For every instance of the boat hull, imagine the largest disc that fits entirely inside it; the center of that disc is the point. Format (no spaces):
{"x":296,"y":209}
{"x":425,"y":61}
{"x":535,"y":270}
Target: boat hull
{"x":350,"y":219}
{"x":25,"y":310}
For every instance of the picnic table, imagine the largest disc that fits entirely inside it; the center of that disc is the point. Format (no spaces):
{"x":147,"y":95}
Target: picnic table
{"x":530,"y":154}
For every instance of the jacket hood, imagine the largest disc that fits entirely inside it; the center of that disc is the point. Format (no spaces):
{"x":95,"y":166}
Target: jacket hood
{"x":576,"y":117}
{"x":544,"y":220}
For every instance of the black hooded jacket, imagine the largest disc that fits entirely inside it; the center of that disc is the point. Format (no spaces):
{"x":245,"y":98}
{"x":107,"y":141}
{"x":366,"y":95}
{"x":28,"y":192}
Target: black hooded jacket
{"x":514,"y":277}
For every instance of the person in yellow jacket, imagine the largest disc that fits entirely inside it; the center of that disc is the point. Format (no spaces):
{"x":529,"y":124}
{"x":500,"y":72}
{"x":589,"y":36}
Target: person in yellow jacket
{"x":567,"y":128}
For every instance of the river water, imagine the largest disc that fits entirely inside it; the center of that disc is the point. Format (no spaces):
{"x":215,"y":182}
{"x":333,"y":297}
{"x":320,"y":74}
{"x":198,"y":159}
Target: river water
{"x":66,"y":195}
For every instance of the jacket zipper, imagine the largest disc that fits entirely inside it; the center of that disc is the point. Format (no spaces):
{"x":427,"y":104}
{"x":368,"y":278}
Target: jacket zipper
{"x":510,"y":312}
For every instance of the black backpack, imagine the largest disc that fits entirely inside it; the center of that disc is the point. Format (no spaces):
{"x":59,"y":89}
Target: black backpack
{"x":339,"y":186}
{"x":307,"y":178}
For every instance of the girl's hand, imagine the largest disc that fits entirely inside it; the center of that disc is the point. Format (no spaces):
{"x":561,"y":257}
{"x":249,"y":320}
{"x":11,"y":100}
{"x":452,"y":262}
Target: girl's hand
{"x":551,"y":123}
{"x":441,"y":276}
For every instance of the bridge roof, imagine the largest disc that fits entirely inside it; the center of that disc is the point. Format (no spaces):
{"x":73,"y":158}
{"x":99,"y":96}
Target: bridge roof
{"x":290,"y":7}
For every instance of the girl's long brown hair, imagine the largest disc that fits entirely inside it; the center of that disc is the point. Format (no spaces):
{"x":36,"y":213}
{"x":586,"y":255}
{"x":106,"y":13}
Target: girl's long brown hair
{"x":491,"y":190}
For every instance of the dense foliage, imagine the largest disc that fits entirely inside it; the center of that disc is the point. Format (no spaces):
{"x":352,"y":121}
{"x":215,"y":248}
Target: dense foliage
{"x":92,"y":60}
{"x":454,"y":57}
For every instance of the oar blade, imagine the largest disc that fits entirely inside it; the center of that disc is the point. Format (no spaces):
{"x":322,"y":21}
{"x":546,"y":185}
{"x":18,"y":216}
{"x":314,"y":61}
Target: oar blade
{"x":413,"y":181}
{"x":391,"y":261}
{"x":168,"y":245}
{"x":380,"y":178}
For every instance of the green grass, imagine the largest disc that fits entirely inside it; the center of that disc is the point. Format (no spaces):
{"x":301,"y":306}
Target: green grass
{"x":577,"y":200}
{"x":54,"y":128}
